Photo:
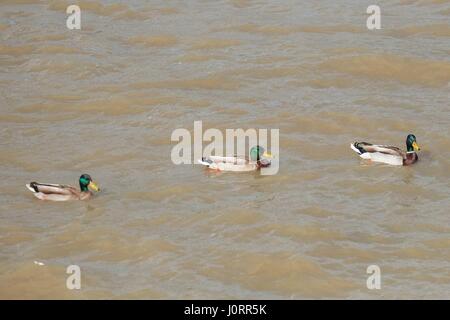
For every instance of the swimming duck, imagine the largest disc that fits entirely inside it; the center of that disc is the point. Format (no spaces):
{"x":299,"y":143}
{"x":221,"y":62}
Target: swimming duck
{"x":388,"y":154}
{"x":258,"y":159}
{"x":59,"y":192}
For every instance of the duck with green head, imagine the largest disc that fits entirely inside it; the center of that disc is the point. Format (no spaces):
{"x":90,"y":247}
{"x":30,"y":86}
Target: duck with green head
{"x":59,"y":192}
{"x":257,"y":160}
{"x":389,"y":154}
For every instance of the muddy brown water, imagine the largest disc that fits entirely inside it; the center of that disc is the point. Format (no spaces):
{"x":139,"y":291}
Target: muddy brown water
{"x":105,"y":99}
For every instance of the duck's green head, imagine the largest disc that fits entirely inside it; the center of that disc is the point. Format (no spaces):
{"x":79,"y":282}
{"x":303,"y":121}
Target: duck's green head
{"x":86,"y":183}
{"x":411,"y":143}
{"x":257,"y":152}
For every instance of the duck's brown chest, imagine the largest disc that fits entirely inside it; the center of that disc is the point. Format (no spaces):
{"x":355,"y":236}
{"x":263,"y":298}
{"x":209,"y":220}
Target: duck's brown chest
{"x":410,"y":159}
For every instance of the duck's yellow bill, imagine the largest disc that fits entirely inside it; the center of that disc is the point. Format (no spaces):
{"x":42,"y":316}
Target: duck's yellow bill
{"x":267,"y":155}
{"x":415,"y":146}
{"x":94,"y":186}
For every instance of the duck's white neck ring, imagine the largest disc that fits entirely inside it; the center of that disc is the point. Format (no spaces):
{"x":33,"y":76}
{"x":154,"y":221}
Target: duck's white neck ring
{"x":410,"y":151}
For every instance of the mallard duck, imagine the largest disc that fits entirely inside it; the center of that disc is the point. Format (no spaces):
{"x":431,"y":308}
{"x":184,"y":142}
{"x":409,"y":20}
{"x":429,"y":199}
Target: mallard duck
{"x":59,"y":192}
{"x":388,"y":154}
{"x":258,"y":159}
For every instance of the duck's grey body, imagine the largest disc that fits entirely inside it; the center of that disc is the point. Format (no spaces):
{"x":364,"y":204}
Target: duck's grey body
{"x":384,"y":154}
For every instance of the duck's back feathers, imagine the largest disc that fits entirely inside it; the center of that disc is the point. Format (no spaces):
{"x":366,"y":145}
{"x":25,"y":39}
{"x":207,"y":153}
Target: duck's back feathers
{"x":55,"y":192}
{"x":235,"y":164}
{"x":363,"y":147}
{"x":49,"y":188}
{"x":379,"y":153}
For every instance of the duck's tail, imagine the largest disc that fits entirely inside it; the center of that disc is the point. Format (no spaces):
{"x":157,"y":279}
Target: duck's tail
{"x":32,"y":186}
{"x":358,"y":147}
{"x":205,"y":161}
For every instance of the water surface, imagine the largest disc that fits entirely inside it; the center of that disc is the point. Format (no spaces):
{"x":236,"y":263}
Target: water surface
{"x":104,"y":100}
